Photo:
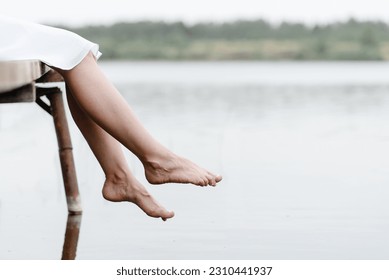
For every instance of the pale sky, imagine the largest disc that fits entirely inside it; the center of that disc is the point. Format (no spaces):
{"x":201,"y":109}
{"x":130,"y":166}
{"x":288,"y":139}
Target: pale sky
{"x":78,"y":12}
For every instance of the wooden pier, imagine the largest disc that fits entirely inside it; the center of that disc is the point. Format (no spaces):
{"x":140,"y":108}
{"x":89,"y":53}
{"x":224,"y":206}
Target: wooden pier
{"x":22,"y":81}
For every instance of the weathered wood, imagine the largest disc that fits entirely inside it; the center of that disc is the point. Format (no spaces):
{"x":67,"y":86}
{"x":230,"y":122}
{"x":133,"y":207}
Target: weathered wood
{"x":65,"y":151}
{"x":72,"y":233}
{"x":25,"y":93}
{"x":17,"y":80}
{"x":50,"y":77}
{"x":18,"y":84}
{"x":14,"y":74}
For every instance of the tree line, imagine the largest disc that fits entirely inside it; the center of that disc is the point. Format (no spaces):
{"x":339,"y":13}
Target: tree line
{"x":240,"y":40}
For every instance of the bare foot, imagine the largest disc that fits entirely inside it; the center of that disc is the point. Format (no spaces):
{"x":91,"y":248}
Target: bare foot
{"x":129,"y":189}
{"x":174,"y":169}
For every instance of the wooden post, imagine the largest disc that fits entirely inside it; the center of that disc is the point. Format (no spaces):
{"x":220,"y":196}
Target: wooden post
{"x":18,"y":83}
{"x":65,"y":151}
{"x":72,"y":233}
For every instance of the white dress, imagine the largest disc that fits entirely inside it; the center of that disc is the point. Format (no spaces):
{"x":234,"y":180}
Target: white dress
{"x":21,"y":40}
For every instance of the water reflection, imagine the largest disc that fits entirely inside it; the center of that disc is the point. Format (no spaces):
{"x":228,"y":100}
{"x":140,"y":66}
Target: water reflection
{"x":73,"y":225}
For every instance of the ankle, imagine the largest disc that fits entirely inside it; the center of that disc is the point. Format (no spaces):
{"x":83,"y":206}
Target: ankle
{"x":157,"y":161}
{"x":118,"y":177}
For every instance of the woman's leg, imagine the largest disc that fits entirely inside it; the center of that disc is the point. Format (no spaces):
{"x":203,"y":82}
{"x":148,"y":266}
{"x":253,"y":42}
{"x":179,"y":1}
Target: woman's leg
{"x":120,"y":184}
{"x":104,"y":105}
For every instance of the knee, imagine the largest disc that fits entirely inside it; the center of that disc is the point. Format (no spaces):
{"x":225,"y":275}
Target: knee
{"x":87,"y":62}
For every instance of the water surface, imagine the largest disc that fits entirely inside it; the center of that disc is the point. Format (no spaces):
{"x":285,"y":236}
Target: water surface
{"x":303,"y":148}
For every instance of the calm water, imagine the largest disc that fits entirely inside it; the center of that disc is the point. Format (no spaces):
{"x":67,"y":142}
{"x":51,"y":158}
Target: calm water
{"x":303,"y":147}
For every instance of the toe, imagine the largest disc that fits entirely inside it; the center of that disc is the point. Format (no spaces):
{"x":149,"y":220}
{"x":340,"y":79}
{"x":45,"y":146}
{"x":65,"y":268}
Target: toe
{"x":218,"y":178}
{"x":202,"y":183}
{"x":211,"y":181}
{"x":167,"y":215}
{"x":214,"y":179}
